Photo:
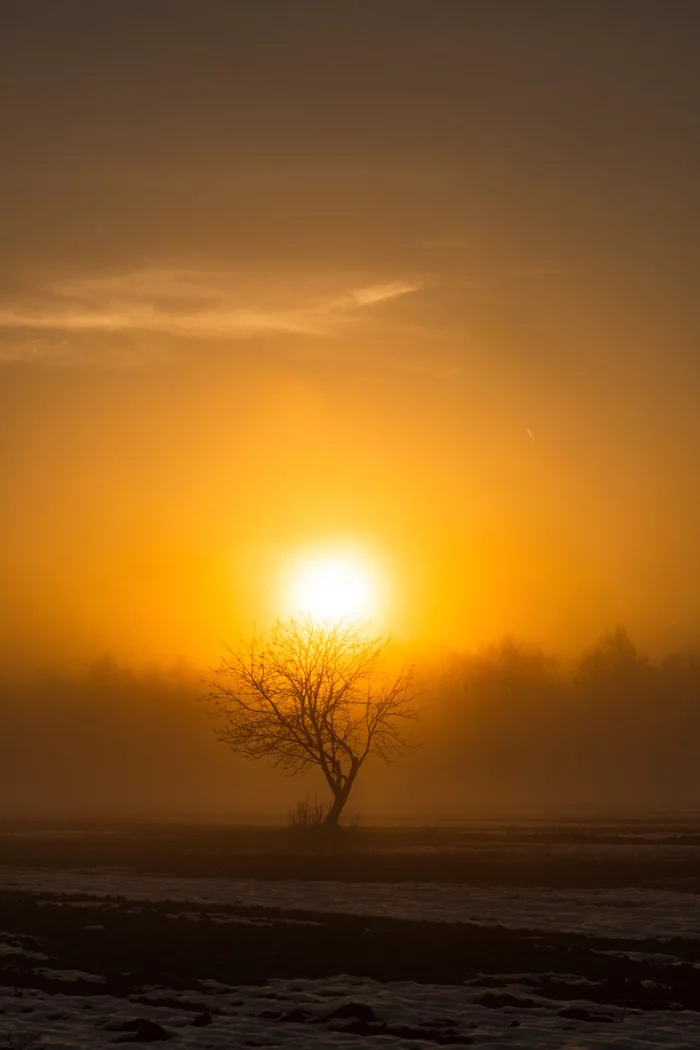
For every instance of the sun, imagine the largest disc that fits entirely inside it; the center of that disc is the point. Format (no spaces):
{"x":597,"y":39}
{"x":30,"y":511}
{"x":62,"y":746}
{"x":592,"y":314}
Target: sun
{"x":332,"y":586}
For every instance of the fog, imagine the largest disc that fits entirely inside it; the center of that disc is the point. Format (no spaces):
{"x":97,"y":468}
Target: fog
{"x":505,"y":731}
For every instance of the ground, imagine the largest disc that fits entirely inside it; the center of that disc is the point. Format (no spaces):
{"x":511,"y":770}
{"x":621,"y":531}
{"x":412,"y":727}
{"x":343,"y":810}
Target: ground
{"x":514,"y":935}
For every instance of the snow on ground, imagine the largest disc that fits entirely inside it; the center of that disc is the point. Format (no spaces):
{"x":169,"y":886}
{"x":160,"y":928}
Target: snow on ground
{"x":345,"y":1012}
{"x":299,"y":1015}
{"x":12,"y":944}
{"x":628,"y":912}
{"x":69,"y":975}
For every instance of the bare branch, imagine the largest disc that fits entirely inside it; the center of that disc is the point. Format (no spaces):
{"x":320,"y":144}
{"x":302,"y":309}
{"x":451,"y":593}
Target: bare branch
{"x":313,"y":695}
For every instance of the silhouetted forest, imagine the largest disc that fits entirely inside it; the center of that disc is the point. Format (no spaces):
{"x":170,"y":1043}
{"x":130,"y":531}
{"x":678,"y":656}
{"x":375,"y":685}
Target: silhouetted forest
{"x":506,"y":729}
{"x":615,"y":729}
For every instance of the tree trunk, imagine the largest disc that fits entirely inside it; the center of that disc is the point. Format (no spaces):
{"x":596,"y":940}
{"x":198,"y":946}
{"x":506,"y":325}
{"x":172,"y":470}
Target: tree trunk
{"x":340,"y":798}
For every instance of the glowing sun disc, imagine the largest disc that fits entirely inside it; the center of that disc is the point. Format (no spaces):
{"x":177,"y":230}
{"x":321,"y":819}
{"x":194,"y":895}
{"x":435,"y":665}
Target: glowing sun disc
{"x":332,"y":587}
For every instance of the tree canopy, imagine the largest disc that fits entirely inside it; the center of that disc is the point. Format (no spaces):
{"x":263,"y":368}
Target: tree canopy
{"x":312,"y":694}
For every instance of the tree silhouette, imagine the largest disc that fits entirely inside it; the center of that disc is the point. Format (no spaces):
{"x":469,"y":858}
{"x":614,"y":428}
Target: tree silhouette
{"x":614,"y":657}
{"x":314,"y":695}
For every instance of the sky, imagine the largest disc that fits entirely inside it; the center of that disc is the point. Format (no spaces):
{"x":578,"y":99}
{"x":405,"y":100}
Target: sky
{"x":402,"y":276}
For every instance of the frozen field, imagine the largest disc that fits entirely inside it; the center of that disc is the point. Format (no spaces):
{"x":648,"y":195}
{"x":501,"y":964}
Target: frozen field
{"x":96,"y":955}
{"x":344,"y":1012}
{"x":618,"y":912}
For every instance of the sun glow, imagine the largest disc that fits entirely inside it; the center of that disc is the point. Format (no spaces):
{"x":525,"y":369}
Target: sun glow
{"x":330,"y":587}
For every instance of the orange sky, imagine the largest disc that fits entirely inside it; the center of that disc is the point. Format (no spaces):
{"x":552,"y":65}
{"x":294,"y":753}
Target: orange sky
{"x":413,"y":276}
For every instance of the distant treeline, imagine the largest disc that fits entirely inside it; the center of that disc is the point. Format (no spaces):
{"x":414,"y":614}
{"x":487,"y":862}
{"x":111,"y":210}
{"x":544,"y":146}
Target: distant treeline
{"x":616,"y":729}
{"x":507,"y":728}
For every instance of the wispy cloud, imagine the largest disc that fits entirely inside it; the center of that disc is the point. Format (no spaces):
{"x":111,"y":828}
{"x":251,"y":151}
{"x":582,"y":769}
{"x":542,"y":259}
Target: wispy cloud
{"x":187,"y":304}
{"x":377,"y":293}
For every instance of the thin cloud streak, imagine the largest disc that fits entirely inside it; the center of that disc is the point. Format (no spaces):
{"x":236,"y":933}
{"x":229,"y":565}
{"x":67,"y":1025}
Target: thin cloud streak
{"x":198,"y":306}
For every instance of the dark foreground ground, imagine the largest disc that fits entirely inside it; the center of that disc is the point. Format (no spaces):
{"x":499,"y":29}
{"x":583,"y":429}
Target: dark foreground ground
{"x":134,"y":945}
{"x":162,"y":954}
{"x":643,"y":853}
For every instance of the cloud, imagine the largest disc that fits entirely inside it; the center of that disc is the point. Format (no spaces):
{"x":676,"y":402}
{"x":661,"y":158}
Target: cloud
{"x":379,"y":292}
{"x":188,"y":304}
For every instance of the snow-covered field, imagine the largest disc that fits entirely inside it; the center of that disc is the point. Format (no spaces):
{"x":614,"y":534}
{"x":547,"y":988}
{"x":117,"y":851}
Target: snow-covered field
{"x":561,"y":968}
{"x":344,"y":1012}
{"x":628,"y":912}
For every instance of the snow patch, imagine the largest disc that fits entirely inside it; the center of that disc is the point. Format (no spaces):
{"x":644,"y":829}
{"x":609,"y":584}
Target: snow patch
{"x":626,"y":912}
{"x":313,"y":1014}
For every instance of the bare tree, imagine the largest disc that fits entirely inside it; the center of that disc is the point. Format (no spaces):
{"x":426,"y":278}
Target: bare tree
{"x":314,"y":695}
